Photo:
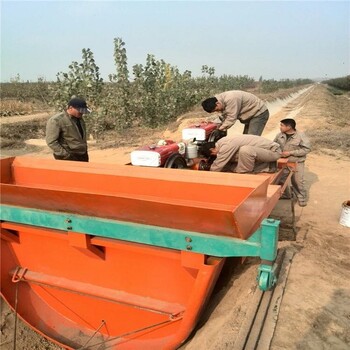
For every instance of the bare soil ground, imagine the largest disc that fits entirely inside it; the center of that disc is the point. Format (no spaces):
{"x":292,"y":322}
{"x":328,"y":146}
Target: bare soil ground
{"x":315,"y":309}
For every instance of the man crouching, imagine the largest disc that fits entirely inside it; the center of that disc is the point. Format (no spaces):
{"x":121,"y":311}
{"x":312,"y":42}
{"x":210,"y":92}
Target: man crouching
{"x":242,"y":154}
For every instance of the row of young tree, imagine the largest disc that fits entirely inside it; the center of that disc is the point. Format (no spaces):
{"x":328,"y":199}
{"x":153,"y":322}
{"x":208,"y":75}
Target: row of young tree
{"x":155,"y":94}
{"x":339,"y":83}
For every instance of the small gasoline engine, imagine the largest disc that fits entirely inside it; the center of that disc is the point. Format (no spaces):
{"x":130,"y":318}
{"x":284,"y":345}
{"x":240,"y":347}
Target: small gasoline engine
{"x":180,"y":155}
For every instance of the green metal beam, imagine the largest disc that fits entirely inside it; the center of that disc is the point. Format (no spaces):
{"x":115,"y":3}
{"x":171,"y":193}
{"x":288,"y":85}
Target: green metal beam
{"x":262,"y":243}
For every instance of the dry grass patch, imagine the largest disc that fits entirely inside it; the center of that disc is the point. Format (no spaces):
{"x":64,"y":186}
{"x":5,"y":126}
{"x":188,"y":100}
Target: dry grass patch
{"x":9,"y":107}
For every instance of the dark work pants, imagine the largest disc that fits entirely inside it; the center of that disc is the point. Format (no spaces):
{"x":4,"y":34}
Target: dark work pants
{"x":256,"y":125}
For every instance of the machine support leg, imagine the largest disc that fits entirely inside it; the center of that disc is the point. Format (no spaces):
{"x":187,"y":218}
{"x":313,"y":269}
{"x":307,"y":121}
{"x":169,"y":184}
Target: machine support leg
{"x":267,"y":270}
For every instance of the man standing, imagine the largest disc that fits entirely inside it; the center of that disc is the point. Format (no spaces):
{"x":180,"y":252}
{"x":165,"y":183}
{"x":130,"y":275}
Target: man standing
{"x":241,"y":105}
{"x":66,"y":132}
{"x":242,"y":154}
{"x":295,"y":146}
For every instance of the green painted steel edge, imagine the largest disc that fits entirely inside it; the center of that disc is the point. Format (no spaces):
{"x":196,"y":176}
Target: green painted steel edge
{"x":256,"y":245}
{"x":269,"y":240}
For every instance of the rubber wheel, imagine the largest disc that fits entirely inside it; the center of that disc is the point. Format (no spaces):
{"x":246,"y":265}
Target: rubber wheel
{"x":264,"y":281}
{"x":216,"y":135}
{"x":176,"y":161}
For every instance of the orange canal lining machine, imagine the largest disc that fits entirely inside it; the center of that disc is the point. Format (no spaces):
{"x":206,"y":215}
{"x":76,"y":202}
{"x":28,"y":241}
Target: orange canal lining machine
{"x":97,"y":256}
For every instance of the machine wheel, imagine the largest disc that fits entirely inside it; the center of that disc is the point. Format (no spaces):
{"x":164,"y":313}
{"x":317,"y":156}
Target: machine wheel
{"x":216,"y":135}
{"x":176,"y":161}
{"x":264,"y":280}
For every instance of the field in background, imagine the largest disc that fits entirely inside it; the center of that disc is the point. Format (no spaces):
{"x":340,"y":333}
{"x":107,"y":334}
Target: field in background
{"x":333,"y":111}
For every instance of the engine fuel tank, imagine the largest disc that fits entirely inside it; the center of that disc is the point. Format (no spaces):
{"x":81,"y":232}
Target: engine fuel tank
{"x":200,"y":131}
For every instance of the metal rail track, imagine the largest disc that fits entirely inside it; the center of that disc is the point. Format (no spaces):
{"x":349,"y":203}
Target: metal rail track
{"x":257,"y":330}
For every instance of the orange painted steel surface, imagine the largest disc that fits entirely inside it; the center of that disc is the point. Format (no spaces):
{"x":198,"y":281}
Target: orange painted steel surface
{"x":77,"y":289}
{"x":67,"y":295}
{"x":216,"y":203}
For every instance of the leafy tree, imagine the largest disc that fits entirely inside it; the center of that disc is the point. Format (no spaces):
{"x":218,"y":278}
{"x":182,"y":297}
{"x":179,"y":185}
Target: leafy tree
{"x":115,"y":107}
{"x":156,"y":93}
{"x":83,"y":79}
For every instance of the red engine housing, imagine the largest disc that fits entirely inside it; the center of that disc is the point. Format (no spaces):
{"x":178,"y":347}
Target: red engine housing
{"x":165,"y":151}
{"x":209,"y":127}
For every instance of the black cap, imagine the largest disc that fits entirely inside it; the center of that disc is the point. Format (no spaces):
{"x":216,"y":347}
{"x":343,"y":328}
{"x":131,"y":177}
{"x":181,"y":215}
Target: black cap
{"x":79,"y":104}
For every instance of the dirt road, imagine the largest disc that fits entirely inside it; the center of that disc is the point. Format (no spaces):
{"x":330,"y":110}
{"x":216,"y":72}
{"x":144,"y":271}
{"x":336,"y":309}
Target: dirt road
{"x":315,"y":309}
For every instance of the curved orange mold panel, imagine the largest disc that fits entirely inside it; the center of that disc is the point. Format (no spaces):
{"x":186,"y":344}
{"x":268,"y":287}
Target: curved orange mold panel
{"x":136,"y":296}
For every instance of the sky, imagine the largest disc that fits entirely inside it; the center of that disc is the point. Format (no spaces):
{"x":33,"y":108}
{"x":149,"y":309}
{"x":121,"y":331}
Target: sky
{"x":269,"y":39}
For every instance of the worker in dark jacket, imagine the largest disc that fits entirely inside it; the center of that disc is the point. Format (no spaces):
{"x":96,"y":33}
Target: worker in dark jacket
{"x":295,"y":146}
{"x":241,"y":105}
{"x":242,"y":154}
{"x":66,"y":132}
